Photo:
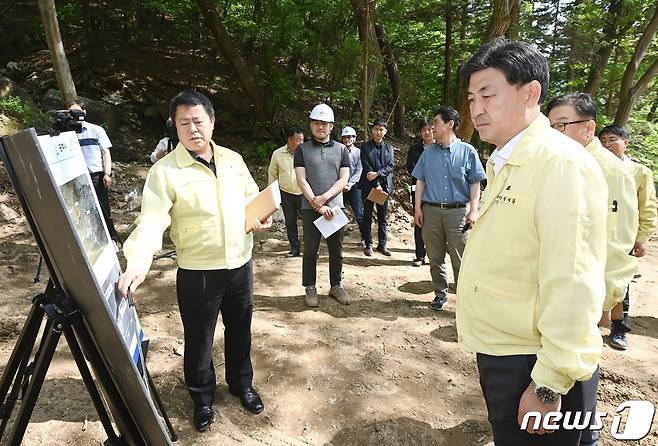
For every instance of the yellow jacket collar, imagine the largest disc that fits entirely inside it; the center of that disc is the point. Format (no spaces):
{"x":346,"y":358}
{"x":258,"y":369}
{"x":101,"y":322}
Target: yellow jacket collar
{"x":184,"y":158}
{"x":523,"y":150}
{"x":594,"y":145}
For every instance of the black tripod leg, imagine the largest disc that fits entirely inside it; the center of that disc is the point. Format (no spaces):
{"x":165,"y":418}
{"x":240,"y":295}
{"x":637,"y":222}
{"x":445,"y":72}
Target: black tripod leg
{"x":119,"y":410}
{"x":89,"y":384}
{"x":156,"y":395}
{"x":37,"y":276}
{"x":46,"y":352}
{"x":15,"y":370}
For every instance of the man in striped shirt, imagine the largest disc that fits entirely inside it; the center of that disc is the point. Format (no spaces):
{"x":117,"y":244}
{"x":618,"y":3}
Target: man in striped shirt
{"x":95,"y":147}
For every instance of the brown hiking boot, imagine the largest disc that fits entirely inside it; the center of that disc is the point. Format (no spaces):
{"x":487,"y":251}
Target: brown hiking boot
{"x":311,"y":298}
{"x":338,"y":293}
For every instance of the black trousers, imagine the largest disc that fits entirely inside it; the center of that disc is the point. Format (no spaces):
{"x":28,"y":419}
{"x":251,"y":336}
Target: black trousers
{"x":104,"y":201}
{"x":355,"y":199}
{"x":382,"y":229}
{"x":418,"y":234}
{"x":503,"y":380}
{"x":312,"y":237}
{"x":292,"y":209}
{"x":590,"y":390}
{"x":202,"y":294}
{"x":626,"y":306}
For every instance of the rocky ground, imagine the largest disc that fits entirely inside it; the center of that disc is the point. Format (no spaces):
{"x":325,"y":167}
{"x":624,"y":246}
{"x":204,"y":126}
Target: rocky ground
{"x":385,"y":370}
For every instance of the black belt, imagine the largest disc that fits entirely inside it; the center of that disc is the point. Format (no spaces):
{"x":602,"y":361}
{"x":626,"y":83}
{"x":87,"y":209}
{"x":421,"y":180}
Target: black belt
{"x":446,"y":205}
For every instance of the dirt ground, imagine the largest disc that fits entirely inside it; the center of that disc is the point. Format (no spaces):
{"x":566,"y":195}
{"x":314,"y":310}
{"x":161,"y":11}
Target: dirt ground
{"x":385,"y":370}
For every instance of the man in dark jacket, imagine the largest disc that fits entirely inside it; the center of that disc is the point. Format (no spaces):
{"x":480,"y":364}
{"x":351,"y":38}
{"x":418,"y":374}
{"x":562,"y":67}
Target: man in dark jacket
{"x":377,"y":160}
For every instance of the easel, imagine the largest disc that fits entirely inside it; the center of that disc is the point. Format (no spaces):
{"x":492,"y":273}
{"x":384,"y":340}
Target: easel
{"x":63,"y":316}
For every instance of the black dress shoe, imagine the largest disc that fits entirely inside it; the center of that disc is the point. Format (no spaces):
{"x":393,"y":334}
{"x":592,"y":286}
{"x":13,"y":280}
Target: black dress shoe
{"x":292,"y":254}
{"x":250,"y":399}
{"x":203,"y":417}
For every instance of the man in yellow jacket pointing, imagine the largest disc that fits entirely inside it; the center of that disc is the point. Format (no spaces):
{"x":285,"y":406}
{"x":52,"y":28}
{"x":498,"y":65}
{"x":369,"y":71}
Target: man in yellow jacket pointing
{"x":531,"y":285}
{"x":199,"y":191}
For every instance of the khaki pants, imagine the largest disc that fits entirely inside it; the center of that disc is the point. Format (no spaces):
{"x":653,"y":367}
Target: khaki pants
{"x":442,"y":233}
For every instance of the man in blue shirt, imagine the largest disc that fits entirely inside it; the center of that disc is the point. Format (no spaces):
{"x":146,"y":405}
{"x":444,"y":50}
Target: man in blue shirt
{"x":447,"y":193}
{"x":377,"y":160}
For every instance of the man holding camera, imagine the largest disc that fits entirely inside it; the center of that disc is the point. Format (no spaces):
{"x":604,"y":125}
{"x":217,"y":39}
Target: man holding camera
{"x":95,"y":147}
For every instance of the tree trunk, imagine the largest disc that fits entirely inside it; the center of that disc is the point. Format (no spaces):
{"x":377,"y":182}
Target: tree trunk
{"x":629,"y":91}
{"x":228,"y":50}
{"x":505,"y":15}
{"x":447,"y":55}
{"x":364,"y":11}
{"x":602,"y":55}
{"x":56,"y":47}
{"x":571,"y":30}
{"x":95,"y":52}
{"x":365,"y":102}
{"x":394,"y":80}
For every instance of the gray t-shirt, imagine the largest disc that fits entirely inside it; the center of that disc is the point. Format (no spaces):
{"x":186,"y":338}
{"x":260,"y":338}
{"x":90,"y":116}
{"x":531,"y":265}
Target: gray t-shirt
{"x":322,"y":162}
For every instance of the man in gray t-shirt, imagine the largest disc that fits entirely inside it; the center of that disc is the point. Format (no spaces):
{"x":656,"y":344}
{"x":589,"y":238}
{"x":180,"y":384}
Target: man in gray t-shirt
{"x":322,"y":167}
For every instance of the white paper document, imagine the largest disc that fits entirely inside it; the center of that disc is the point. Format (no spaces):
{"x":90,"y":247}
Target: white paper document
{"x":328,"y":227}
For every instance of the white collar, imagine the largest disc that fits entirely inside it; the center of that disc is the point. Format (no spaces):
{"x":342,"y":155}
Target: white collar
{"x":501,"y":155}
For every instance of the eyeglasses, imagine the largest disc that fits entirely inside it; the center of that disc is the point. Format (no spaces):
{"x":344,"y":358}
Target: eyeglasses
{"x":562,"y":126}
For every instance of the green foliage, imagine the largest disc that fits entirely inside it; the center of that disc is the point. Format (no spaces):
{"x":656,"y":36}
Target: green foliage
{"x":644,"y":143}
{"x":24,"y":112}
{"x":260,"y":153}
{"x":305,"y":51}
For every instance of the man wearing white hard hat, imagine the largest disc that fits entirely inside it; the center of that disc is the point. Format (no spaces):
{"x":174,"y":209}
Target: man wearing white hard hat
{"x":322,"y":167}
{"x":352,"y":192}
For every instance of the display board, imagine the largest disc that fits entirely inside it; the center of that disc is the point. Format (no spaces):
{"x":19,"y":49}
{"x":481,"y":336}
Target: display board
{"x":53,"y":176}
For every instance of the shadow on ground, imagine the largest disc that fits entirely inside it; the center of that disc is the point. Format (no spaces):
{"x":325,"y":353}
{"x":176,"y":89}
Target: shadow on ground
{"x":644,"y":326}
{"x":407,"y":431}
{"x":420,"y":287}
{"x":359,"y":308}
{"x":447,"y":333}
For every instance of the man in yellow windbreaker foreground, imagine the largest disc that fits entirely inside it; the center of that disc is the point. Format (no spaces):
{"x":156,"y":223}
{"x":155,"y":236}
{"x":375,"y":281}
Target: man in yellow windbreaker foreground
{"x":575,"y":116}
{"x":531,"y":285}
{"x":200,"y":189}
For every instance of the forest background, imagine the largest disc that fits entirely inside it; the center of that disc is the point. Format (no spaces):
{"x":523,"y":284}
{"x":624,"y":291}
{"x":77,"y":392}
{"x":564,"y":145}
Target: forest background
{"x":265,"y":63}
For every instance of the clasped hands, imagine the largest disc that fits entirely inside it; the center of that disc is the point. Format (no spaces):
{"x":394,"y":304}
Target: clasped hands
{"x":318,"y":205}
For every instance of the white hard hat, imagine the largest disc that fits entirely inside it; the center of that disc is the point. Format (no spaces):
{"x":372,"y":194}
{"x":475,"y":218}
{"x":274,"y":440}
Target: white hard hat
{"x":348,"y":131}
{"x":322,"y":112}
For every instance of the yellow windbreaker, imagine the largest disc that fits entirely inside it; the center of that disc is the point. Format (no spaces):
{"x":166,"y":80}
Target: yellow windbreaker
{"x":622,"y":223}
{"x":646,"y":196}
{"x":282,"y":168}
{"x":206,"y":213}
{"x":532,"y":275}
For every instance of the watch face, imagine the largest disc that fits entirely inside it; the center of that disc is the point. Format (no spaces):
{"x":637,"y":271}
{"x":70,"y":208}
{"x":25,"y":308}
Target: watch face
{"x":546,"y":395}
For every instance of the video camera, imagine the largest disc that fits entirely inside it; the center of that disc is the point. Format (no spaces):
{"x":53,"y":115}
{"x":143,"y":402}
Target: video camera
{"x":65,"y":120}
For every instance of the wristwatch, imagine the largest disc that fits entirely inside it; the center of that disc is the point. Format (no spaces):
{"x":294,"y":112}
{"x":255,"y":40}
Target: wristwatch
{"x":545,"y":394}
{"x":108,"y":174}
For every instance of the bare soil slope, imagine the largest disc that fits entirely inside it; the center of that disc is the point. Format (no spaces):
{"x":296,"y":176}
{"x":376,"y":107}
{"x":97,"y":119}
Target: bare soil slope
{"x":385,"y":370}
